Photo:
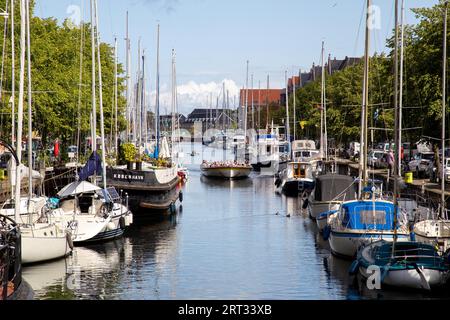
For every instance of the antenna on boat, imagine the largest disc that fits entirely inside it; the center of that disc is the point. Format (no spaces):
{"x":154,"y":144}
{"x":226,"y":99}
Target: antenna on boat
{"x":157,"y":93}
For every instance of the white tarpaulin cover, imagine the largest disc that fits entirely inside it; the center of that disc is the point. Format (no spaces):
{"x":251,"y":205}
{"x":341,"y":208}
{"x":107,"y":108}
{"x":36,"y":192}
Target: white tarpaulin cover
{"x":24,"y":172}
{"x":77,"y":187}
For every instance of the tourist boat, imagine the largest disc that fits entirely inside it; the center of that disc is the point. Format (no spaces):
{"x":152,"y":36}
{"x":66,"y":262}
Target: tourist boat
{"x":361,"y":222}
{"x":329,"y":192}
{"x":226,"y":170}
{"x":409,"y":264}
{"x":92,"y":214}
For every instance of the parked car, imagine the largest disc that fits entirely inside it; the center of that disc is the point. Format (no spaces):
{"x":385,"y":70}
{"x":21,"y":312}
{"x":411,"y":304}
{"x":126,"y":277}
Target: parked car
{"x":386,"y":146}
{"x":435,"y":174}
{"x":421,"y":163}
{"x":373,"y":157}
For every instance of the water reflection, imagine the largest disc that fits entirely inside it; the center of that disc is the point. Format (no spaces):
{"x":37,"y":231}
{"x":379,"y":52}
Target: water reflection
{"x":229,"y":240}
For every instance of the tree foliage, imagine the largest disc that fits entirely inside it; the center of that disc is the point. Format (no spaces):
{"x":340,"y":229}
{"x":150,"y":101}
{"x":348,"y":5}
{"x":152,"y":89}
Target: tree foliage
{"x":422,"y":89}
{"x":55,"y":71}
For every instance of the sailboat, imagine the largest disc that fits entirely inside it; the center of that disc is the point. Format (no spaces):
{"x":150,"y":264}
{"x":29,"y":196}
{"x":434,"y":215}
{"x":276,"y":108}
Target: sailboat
{"x":403,"y":264}
{"x":93,"y":213}
{"x":41,"y":241}
{"x":151,"y":187}
{"x":371,"y":217}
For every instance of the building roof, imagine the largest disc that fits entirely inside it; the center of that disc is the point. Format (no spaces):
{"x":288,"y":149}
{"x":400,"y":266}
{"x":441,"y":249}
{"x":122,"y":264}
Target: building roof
{"x":200,"y":114}
{"x":349,"y":61}
{"x":270,"y":95}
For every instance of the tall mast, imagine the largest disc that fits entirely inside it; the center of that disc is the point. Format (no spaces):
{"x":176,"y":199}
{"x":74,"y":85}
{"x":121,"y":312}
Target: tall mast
{"x":294,"y":115}
{"x":224,"y":106}
{"x":253,"y":106}
{"x":143,"y":103}
{"x":397,"y":169}
{"x":20,"y":109}
{"x":137,"y":100}
{"x":322,"y":107}
{"x":259,"y":104}
{"x":400,"y":101}
{"x":246,"y":104}
{"x":267,"y":103}
{"x":288,"y":136}
{"x":173,"y":104}
{"x":128,"y":66}
{"x":94,"y":106}
{"x":100,"y":91}
{"x":363,"y":142}
{"x":30,"y":112}
{"x":157,"y":92}
{"x":116,"y":147}
{"x":444,"y":98}
{"x":13,"y":76}
{"x":228,"y":110}
{"x":80,"y":90}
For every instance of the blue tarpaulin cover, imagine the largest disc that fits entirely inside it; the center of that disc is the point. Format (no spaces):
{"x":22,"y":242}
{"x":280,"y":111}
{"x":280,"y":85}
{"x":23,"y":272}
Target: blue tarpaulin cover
{"x":369,"y":215}
{"x":93,"y":165}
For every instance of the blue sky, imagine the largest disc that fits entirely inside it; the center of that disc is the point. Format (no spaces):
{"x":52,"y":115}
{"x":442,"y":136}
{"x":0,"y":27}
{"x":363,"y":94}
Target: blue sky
{"x":213,"y":39}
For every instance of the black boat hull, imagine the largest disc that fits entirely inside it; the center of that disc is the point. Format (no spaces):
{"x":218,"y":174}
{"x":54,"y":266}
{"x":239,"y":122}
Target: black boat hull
{"x":145,"y":193}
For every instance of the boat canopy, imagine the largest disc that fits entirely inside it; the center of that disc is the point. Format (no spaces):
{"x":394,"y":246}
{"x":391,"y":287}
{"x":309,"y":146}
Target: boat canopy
{"x":77,"y":187}
{"x":329,"y":186}
{"x":369,"y":215}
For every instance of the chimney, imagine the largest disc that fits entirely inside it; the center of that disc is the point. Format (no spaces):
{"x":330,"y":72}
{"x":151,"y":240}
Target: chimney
{"x":314,"y":71}
{"x":329,"y":64}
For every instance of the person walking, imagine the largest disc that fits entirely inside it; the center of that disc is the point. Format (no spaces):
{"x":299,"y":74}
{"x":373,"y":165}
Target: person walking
{"x":390,"y":160}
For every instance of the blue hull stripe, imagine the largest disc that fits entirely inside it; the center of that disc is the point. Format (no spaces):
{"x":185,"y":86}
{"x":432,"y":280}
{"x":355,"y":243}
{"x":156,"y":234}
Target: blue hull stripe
{"x":107,"y":235}
{"x":367,"y":235}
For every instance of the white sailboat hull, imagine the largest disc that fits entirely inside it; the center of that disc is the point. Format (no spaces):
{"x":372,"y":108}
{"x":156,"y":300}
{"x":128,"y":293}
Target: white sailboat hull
{"x":346,"y":243}
{"x":43,"y":244}
{"x":434,"y":232}
{"x":411,"y":278}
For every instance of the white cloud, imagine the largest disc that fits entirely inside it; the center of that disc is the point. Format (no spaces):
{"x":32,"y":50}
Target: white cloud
{"x":195,"y":95}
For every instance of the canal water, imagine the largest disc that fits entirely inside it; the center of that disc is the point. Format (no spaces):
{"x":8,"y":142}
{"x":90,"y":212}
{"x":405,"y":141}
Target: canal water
{"x":228,"y":240}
